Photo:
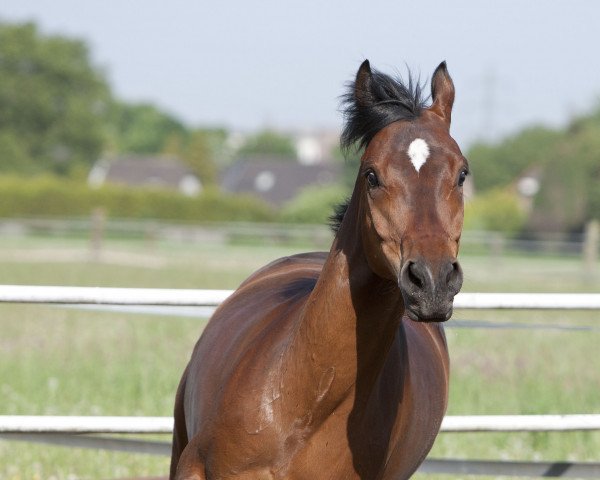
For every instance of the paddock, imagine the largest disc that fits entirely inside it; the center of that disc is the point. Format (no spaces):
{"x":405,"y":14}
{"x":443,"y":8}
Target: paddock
{"x":96,"y":432}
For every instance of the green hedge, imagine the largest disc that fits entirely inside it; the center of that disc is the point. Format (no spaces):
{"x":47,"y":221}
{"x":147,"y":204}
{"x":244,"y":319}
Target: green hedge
{"x":53,"y":197}
{"x":48,"y":196}
{"x":314,"y":204}
{"x":496,"y":210}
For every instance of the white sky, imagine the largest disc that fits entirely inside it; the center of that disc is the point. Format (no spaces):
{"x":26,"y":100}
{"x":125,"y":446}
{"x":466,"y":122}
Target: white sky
{"x":283,"y":64}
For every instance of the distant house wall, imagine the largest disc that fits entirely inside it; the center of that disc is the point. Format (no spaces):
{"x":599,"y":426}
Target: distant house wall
{"x":167,"y":172}
{"x":276,"y":181}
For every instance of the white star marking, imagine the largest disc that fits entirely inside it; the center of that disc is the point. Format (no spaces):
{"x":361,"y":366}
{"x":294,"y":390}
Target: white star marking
{"x":418,"y":151}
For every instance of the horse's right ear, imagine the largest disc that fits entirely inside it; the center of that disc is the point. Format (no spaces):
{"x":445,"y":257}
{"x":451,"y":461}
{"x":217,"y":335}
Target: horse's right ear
{"x":362,"y":85}
{"x":442,"y":93}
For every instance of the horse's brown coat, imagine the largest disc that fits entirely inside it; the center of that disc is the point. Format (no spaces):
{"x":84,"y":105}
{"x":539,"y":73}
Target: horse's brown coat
{"x":312,"y":368}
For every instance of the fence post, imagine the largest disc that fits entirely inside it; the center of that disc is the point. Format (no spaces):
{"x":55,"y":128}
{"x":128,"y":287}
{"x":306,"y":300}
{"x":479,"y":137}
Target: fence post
{"x":97,"y":233}
{"x":497,"y":245}
{"x":591,"y":241}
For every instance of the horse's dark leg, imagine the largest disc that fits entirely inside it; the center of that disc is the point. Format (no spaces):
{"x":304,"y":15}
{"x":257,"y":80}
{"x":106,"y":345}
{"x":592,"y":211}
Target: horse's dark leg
{"x":180,"y":438}
{"x":190,"y":467}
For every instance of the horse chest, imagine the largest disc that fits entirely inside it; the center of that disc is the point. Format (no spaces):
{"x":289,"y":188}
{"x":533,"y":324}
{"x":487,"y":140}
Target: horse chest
{"x":385,"y":433}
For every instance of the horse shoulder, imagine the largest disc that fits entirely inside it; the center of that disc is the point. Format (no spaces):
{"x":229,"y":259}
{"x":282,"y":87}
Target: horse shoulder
{"x":231,"y":384}
{"x":252,"y":308}
{"x":294,"y":264}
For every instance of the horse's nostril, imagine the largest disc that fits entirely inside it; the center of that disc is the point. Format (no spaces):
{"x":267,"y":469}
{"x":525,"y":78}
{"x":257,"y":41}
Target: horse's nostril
{"x":455,"y":278}
{"x":454,"y":270}
{"x":414,"y":275}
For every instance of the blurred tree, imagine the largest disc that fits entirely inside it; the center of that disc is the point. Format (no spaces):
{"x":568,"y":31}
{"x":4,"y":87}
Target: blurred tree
{"x":200,"y":152}
{"x":570,"y":190}
{"x":217,"y":140}
{"x":200,"y":157}
{"x":269,"y":143}
{"x":142,"y":128}
{"x":14,"y":156}
{"x":588,"y":140}
{"x":569,"y":162}
{"x":497,"y":165}
{"x":53,"y":102}
{"x":351,"y":163}
{"x":497,"y":210}
{"x":314,"y":204}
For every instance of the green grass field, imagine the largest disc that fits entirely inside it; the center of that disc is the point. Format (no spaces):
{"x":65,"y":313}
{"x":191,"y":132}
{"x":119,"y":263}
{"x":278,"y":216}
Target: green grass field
{"x":61,"y":361}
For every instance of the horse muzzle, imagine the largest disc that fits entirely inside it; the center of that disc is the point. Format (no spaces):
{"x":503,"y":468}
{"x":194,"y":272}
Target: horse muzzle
{"x":428,"y":289}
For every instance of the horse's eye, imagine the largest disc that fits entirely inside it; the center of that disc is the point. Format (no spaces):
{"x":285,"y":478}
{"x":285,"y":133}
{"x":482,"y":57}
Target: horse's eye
{"x":462,"y":176}
{"x":372,"y":179}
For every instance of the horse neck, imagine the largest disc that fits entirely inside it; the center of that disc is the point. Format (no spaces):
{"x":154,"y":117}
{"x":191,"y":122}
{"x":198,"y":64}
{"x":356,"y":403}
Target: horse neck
{"x":349,"y":321}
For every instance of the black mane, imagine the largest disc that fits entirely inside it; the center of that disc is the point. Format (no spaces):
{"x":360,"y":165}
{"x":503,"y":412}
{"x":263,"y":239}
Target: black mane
{"x":335,"y":219}
{"x":388,"y":100}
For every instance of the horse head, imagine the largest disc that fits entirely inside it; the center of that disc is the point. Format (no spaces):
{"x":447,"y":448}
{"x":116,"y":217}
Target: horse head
{"x":408,"y":193}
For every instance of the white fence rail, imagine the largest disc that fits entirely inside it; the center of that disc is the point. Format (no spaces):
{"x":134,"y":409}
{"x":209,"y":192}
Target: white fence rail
{"x":112,"y":296}
{"x":158,"y":425}
{"x":74,"y":431}
{"x":212,"y":298}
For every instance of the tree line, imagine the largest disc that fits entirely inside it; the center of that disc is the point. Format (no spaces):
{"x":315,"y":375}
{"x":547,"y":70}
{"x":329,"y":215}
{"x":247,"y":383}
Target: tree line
{"x":59,"y":115}
{"x":564,"y":161}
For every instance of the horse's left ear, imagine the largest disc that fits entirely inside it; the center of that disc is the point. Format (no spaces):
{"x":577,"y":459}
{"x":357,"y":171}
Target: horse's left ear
{"x":442,"y":93}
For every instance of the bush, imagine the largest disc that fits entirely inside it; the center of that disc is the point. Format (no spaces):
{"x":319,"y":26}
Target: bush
{"x":497,"y":210}
{"x":48,"y":196}
{"x":313,"y":204}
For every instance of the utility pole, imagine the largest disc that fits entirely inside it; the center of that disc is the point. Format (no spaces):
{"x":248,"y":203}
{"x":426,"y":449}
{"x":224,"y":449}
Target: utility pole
{"x":490,"y":84}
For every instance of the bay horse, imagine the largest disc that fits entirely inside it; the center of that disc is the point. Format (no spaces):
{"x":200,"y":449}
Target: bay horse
{"x":335,"y":365}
